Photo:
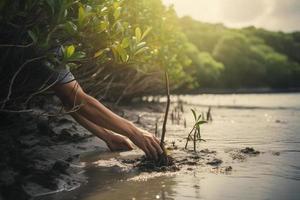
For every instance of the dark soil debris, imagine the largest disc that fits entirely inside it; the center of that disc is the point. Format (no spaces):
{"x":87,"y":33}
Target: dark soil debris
{"x":249,"y":151}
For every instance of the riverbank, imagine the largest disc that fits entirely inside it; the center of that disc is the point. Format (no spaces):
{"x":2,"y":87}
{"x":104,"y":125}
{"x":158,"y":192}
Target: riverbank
{"x":40,"y":151}
{"x":263,"y":90}
{"x":43,"y":155}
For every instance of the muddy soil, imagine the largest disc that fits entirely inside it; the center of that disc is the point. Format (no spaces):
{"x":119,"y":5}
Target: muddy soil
{"x":40,"y":153}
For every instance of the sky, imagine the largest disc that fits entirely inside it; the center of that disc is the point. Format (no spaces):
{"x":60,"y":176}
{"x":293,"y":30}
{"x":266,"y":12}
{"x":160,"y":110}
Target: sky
{"x":276,"y":15}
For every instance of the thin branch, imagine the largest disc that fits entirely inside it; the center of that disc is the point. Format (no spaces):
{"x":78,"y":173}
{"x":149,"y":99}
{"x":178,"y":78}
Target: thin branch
{"x":16,"y":45}
{"x":42,"y":89}
{"x":16,"y":111}
{"x":167,"y":111}
{"x":14,"y":77}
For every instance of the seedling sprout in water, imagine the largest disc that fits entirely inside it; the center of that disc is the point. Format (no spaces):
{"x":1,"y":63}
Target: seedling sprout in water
{"x":195,"y":133}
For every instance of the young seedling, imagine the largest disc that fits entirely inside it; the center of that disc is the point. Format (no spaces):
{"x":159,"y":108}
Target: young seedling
{"x":195,"y":134}
{"x":164,"y":159}
{"x":208,"y":115}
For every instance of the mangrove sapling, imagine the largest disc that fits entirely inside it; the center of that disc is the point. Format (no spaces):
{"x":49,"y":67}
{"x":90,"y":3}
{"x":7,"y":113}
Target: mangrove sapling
{"x":164,"y":159}
{"x":195,"y":133}
{"x":156,"y":127}
{"x":208,"y":115}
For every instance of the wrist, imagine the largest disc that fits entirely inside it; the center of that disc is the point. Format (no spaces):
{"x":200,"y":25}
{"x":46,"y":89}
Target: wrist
{"x":133,"y":131}
{"x":105,"y":135}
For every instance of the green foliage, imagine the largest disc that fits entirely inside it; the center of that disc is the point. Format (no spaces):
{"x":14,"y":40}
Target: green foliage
{"x":195,"y":133}
{"x":248,"y":57}
{"x":120,"y":38}
{"x":126,"y":45}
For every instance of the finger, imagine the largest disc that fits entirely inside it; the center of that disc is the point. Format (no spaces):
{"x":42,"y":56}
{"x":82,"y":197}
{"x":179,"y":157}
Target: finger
{"x":153,"y":151}
{"x":129,"y":145}
{"x":147,"y":152}
{"x":157,"y":147}
{"x":157,"y":140}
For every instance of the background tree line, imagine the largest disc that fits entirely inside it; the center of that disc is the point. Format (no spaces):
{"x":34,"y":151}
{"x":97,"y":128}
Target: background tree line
{"x":119,"y":49}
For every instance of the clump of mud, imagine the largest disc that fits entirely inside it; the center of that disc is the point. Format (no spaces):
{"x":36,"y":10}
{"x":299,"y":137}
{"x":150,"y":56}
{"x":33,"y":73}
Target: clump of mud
{"x":144,"y":164}
{"x":242,"y":154}
{"x":181,"y":159}
{"x":249,"y":151}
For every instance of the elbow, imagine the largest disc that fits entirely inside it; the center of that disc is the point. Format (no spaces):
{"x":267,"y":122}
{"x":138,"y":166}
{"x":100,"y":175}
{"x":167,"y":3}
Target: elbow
{"x":76,"y":101}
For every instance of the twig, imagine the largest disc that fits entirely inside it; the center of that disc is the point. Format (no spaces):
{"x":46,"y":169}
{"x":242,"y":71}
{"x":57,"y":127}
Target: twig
{"x":16,"y":45}
{"x":15,"y":111}
{"x":167,"y":111}
{"x":189,"y":136}
{"x":14,"y":77}
{"x":42,"y":89}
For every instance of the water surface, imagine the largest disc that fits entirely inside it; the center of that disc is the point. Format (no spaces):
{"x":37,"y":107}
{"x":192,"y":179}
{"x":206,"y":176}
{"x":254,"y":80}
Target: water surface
{"x":269,"y":123}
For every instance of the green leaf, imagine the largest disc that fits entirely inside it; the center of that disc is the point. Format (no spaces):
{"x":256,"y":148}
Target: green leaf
{"x":72,"y":66}
{"x":141,"y":44}
{"x":115,"y":53}
{"x":116,"y":5}
{"x":138,"y":34}
{"x":117,"y":13}
{"x":51,"y":4}
{"x":103,"y":26}
{"x":70,"y":51}
{"x":122,"y":53}
{"x":98,"y":53}
{"x":200,"y":122}
{"x":142,"y":50}
{"x":104,"y":9}
{"x":146,"y":32}
{"x":77,"y":56}
{"x":125,"y":43}
{"x":33,"y":36}
{"x":81,"y":15}
{"x":70,"y":27}
{"x":194,"y":113}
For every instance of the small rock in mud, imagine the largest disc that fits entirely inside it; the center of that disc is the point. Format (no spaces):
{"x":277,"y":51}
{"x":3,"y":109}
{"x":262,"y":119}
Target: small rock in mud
{"x":238,"y":156}
{"x":215,"y":162}
{"x":68,"y":135}
{"x":276,"y":153}
{"x":207,"y":151}
{"x":249,"y":151}
{"x":191,"y":163}
{"x":222,"y":170}
{"x":196,"y":186}
{"x":280,"y":122}
{"x":195,"y":157}
{"x":242,"y":154}
{"x":228,"y":168}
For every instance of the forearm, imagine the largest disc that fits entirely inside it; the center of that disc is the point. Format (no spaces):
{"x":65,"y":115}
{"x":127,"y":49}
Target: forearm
{"x":97,"y":113}
{"x":72,"y":94}
{"x":96,"y":130}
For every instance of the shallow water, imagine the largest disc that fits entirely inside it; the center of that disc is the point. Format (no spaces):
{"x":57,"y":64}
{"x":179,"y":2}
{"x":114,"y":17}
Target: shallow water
{"x":269,"y":123}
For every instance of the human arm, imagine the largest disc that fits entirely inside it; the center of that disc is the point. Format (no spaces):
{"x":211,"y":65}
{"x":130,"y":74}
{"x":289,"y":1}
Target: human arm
{"x":115,"y":142}
{"x":72,"y":95}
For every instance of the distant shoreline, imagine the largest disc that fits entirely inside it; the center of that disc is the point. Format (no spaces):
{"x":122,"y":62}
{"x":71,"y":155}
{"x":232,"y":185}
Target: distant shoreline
{"x":241,"y":91}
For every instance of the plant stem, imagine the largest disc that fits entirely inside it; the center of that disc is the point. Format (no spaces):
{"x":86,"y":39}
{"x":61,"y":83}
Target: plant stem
{"x":195,"y":139}
{"x":166,"y":112}
{"x":189,"y":135}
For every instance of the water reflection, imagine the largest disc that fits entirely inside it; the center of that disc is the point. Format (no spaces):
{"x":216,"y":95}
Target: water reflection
{"x":270,"y":175}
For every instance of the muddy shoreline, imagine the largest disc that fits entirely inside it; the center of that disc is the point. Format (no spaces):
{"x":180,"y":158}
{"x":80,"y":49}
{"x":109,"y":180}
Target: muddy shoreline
{"x":41,"y":155}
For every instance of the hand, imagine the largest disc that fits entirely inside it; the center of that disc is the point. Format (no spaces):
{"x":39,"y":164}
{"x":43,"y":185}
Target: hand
{"x":119,"y":143}
{"x":148,"y":143}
